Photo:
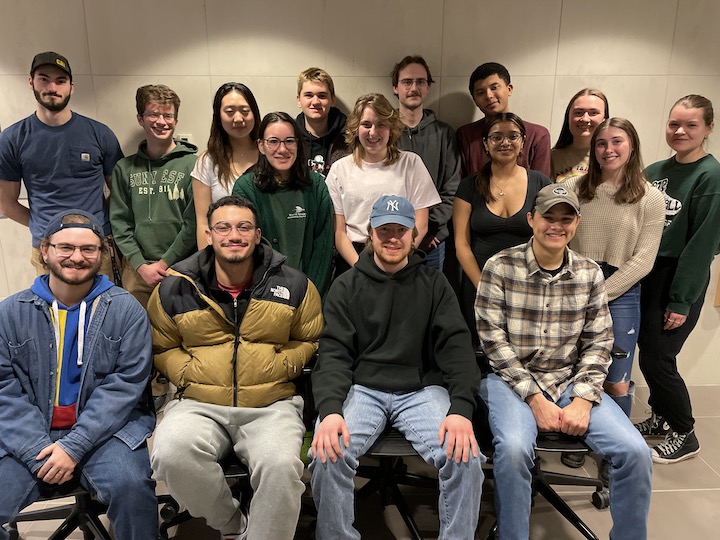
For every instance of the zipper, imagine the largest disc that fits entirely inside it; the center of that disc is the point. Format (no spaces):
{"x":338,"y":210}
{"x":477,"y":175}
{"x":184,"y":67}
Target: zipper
{"x":235,"y":350}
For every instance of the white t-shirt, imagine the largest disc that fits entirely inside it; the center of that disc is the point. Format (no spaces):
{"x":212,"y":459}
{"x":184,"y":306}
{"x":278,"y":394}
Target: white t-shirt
{"x":206,"y":172}
{"x":354,"y":189}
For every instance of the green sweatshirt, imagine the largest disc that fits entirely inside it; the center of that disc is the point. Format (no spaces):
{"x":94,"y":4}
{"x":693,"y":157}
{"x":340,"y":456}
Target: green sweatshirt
{"x":151,"y":205}
{"x":311,"y":222}
{"x":692,"y":224}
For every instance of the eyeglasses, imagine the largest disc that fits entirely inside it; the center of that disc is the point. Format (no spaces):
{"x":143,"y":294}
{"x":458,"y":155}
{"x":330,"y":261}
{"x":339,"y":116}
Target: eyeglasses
{"x":273,"y":143}
{"x":155,"y":116}
{"x":407,"y":83}
{"x":67,"y":250}
{"x":224,"y":229}
{"x":498,"y":138}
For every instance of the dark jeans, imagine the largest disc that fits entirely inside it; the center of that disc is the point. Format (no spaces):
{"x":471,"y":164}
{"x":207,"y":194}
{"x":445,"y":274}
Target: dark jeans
{"x":659,"y":348}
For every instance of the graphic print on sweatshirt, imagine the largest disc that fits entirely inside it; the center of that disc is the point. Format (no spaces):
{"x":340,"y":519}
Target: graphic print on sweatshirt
{"x":672,"y":206}
{"x":166,"y":181}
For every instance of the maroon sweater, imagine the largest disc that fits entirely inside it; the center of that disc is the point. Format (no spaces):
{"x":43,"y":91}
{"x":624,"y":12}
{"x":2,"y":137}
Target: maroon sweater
{"x":535,"y":155}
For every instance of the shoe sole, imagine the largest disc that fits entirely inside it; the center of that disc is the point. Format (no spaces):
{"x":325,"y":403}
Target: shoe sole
{"x":670,"y":461}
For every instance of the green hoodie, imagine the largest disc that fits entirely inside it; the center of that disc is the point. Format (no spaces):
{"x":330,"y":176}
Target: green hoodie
{"x":151,"y":205}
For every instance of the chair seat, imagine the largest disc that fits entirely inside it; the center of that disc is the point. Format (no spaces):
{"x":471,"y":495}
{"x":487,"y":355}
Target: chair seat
{"x":560,"y":442}
{"x":391,"y":443}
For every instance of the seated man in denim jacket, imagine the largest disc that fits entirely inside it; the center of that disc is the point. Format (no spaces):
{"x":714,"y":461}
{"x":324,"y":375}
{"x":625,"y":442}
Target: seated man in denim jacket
{"x":75,"y":359}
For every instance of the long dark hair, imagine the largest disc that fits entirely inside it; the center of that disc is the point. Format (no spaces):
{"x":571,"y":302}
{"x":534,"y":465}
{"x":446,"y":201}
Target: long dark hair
{"x":482,"y":177}
{"x":266,"y":175}
{"x":635,"y":184}
{"x":219,"y":148}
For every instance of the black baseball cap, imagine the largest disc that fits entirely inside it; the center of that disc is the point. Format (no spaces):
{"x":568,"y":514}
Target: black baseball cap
{"x":53,"y":59}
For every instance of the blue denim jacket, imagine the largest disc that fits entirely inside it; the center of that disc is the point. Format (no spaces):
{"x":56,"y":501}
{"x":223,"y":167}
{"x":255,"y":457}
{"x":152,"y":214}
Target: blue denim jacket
{"x":117,"y":360}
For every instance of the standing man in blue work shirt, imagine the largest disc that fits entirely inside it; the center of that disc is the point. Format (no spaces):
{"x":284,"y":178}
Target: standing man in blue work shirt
{"x":65,"y":159}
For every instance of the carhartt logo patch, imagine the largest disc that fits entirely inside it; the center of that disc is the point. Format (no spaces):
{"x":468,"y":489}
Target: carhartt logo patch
{"x":85,"y":156}
{"x":393,"y":206}
{"x":560,"y":191}
{"x":280,"y":292}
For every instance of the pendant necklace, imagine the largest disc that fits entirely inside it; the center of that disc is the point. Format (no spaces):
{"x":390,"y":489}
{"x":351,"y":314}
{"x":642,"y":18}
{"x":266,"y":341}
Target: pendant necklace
{"x":502,"y":189}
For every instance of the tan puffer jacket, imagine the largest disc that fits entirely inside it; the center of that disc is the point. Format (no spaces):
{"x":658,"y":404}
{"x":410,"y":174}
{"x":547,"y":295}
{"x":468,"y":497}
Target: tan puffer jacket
{"x":197,"y":347}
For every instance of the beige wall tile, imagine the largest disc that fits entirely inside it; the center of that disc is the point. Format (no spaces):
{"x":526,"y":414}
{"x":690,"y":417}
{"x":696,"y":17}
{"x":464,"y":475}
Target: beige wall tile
{"x":163,"y":37}
{"x":265,"y":38}
{"x":616,"y":37}
{"x":16,"y":243}
{"x":477,"y":32}
{"x":696,"y":40}
{"x":28,"y":27}
{"x":368,"y":38}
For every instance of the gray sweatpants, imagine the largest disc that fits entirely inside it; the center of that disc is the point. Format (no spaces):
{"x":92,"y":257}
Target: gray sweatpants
{"x":193,"y":437}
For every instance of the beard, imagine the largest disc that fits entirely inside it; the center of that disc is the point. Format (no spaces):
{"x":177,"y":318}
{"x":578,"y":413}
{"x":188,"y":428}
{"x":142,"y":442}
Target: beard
{"x":56,"y":269}
{"x":50,"y":105}
{"x":392,"y":259}
{"x":233,"y":257}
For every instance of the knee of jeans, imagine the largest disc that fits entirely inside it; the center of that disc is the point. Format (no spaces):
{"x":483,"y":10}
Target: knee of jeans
{"x":511,"y":449}
{"x":129,"y":480}
{"x":635,"y":454}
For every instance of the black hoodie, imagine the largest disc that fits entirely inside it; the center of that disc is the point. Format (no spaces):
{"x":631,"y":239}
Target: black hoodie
{"x":321,"y":152}
{"x":396,"y":333}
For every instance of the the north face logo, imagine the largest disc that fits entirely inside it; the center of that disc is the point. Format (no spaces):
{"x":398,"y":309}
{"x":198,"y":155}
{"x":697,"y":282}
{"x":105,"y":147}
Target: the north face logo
{"x":280,"y":292}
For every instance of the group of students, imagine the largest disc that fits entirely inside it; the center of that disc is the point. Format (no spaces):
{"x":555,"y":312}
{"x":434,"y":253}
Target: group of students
{"x":319,"y":184}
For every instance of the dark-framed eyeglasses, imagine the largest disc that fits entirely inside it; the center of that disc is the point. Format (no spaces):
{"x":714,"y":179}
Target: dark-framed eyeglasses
{"x":67,"y":250}
{"x":498,"y":138}
{"x":273,"y":143}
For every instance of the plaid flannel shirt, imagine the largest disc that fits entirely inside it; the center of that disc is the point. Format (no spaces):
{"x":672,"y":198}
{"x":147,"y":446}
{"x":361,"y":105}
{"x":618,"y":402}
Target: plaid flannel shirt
{"x":542,"y":332}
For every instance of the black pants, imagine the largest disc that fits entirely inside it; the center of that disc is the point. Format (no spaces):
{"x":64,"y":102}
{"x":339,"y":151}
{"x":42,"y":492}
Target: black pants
{"x":659,"y":348}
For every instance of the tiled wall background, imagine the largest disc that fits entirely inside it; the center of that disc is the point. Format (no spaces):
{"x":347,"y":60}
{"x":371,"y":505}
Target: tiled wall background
{"x":644,"y":54}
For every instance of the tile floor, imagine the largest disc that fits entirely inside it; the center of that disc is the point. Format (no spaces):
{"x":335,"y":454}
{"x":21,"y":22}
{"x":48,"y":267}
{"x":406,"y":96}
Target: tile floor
{"x":685,"y":502}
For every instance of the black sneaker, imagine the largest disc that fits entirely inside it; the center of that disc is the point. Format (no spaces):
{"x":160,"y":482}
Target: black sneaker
{"x":676,"y":447}
{"x":655,"y":426}
{"x":572,"y":459}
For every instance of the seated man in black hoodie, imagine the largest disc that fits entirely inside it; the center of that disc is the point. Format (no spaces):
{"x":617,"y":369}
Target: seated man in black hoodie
{"x":321,"y":123}
{"x":395,"y":349}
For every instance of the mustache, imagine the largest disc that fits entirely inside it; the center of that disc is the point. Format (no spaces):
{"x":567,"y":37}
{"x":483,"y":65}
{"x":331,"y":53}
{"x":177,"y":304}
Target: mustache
{"x":74,"y":265}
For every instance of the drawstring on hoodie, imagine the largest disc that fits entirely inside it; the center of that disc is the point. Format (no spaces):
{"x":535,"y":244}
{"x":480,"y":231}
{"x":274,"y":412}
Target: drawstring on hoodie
{"x":81,"y":328}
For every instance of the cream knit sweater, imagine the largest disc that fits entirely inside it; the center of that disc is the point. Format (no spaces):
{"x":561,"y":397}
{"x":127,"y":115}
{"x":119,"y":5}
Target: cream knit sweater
{"x":626,"y":236}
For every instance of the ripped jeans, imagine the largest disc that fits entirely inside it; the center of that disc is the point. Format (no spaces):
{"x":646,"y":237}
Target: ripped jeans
{"x":625,"y":313}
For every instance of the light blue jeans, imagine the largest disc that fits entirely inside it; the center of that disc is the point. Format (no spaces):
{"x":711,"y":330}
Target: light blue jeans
{"x":418,"y":416}
{"x":610,"y":434}
{"x":118,"y":476}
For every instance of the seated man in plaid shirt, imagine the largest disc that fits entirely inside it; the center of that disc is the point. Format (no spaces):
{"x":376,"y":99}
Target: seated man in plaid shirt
{"x":545,"y":327}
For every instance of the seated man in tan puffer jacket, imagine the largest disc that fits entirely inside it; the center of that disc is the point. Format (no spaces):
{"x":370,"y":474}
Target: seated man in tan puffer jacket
{"x":232,"y":326}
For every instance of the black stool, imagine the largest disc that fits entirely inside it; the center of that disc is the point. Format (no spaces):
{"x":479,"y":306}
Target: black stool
{"x":83,"y":514}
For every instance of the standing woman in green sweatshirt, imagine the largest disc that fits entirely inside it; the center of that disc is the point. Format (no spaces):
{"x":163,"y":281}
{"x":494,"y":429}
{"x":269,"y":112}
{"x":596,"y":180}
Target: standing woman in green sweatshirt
{"x":296,"y":213}
{"x":674,"y":291}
